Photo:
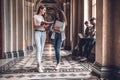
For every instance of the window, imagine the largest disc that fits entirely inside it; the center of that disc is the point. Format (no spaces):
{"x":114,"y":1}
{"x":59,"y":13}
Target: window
{"x":94,"y":8}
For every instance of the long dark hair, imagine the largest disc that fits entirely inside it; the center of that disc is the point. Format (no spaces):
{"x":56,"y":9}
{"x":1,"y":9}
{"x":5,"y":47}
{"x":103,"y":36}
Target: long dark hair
{"x":61,"y":16}
{"x":40,"y":7}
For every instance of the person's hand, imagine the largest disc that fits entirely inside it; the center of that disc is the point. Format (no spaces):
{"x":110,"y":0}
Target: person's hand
{"x":46,"y":26}
{"x":56,"y":29}
{"x":88,"y":36}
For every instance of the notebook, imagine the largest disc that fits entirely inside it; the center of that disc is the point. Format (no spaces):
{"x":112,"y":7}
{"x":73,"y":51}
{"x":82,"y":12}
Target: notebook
{"x":58,"y":24}
{"x":80,"y":35}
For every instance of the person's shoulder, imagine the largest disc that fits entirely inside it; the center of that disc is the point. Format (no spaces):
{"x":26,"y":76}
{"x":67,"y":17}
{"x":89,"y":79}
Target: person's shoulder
{"x":35,"y":16}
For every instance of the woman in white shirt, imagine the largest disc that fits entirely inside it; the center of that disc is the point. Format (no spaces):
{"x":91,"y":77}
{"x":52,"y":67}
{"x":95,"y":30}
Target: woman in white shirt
{"x":40,"y":34}
{"x":58,"y":34}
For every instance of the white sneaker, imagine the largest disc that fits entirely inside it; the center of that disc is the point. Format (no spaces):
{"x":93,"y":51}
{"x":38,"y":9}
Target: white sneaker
{"x":57,"y":67}
{"x":40,"y":69}
{"x":83,"y":59}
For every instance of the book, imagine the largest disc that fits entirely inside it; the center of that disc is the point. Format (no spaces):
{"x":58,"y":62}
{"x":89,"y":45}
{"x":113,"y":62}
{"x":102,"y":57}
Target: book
{"x":58,"y":25}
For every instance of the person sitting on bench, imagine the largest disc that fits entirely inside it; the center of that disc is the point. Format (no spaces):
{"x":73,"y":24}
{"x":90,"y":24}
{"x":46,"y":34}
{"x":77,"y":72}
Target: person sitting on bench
{"x":91,"y":41}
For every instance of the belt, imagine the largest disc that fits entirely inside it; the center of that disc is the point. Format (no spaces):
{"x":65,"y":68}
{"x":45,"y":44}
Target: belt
{"x":40,"y":30}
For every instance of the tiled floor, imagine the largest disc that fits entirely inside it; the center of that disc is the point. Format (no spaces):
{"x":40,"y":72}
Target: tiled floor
{"x":25,"y":68}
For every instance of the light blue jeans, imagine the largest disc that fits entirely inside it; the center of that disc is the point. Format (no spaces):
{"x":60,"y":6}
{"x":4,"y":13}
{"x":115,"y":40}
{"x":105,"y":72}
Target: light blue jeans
{"x":40,"y":38}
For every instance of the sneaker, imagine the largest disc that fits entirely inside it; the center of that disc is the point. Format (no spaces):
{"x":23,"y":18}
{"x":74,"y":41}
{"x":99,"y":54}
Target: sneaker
{"x":78,"y":58}
{"x":57,"y":66}
{"x":40,"y":69}
{"x":83,"y":59}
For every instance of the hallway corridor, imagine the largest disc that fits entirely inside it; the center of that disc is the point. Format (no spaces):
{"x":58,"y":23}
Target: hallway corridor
{"x":25,"y":68}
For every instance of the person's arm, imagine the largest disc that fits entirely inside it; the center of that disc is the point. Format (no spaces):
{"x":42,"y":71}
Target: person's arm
{"x":47,"y":25}
{"x":93,"y":32}
{"x":35,"y":24}
{"x":63,"y":27}
{"x":56,"y":29}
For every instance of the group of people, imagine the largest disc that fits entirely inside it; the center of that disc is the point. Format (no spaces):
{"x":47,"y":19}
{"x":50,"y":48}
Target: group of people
{"x":87,"y":42}
{"x":57,"y":36}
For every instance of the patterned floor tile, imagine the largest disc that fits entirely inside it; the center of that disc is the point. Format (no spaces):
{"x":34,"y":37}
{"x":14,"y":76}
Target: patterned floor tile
{"x":26,"y":68}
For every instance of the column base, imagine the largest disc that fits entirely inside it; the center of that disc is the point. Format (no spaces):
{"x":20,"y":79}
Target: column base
{"x":8,"y":55}
{"x":106,"y":71}
{"x":14,"y":54}
{"x":21,"y":53}
{"x":117,"y":73}
{"x":30,"y":48}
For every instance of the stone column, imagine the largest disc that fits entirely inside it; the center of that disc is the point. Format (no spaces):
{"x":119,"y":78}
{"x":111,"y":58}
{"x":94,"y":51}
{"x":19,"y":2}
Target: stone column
{"x":115,"y":20}
{"x":11,"y":28}
{"x":17,"y":28}
{"x":80,"y":17}
{"x":1,"y":29}
{"x":7,"y":29}
{"x":26,"y":24}
{"x":66,"y":6}
{"x":89,"y":8}
{"x":20,"y":27}
{"x":76,"y":22}
{"x":30,"y":26}
{"x":73,"y":23}
{"x":32,"y":11}
{"x":104,"y":39}
{"x":14,"y":28}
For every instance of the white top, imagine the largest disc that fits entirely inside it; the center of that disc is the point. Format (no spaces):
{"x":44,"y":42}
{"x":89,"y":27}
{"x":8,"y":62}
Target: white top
{"x":39,"y":19}
{"x":61,"y":30}
{"x":60,"y":25}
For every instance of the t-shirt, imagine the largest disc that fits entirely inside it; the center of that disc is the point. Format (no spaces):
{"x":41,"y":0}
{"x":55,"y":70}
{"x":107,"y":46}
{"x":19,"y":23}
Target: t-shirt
{"x":39,"y":19}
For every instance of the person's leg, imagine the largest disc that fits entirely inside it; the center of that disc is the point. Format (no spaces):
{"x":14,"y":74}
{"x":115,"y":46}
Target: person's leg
{"x":38,"y":47}
{"x":43,"y":39}
{"x":57,"y":49}
{"x":81,"y":44}
{"x":91,"y":45}
{"x":86,"y":49}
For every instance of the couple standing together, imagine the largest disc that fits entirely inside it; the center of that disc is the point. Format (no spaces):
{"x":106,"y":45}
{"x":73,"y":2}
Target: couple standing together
{"x":58,"y":35}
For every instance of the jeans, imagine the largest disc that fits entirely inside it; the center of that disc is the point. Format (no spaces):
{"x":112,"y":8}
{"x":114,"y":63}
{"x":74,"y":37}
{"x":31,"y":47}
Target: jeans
{"x":57,"y":42}
{"x":40,"y":38}
{"x":81,"y":44}
{"x":88,"y":47}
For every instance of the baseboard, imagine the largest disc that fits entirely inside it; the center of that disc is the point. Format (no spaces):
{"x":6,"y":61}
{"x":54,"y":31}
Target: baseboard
{"x":14,"y":54}
{"x":117,"y":73}
{"x":106,"y":71}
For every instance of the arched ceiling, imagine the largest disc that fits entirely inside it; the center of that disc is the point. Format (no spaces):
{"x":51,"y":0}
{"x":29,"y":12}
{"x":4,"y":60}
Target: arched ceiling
{"x":48,"y":3}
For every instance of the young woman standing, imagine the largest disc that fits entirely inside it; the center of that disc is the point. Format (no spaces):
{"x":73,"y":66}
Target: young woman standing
{"x":40,"y":34}
{"x":58,"y":35}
